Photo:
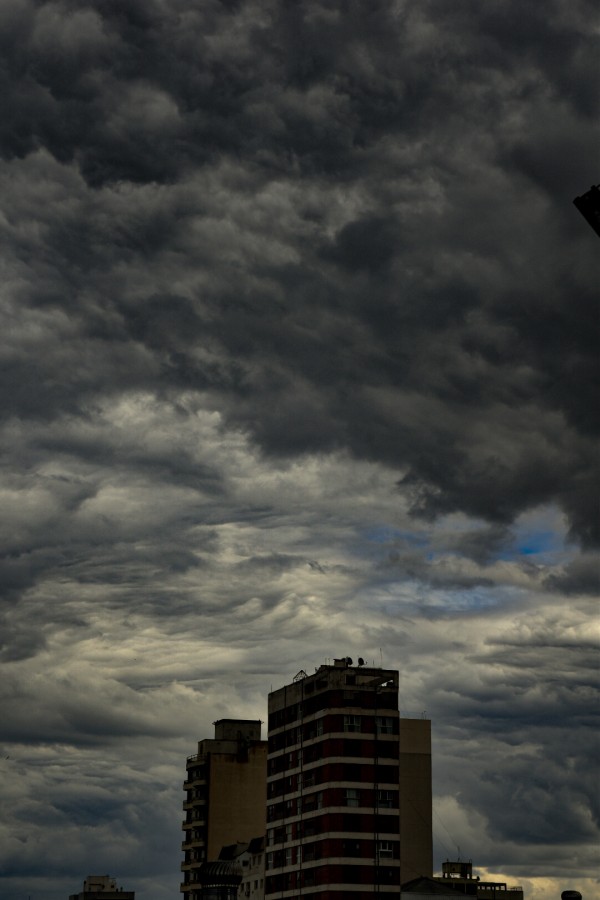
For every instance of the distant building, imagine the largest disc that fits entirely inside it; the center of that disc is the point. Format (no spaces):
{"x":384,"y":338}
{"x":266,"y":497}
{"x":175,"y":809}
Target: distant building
{"x":102,"y":887}
{"x":459,"y":876}
{"x":428,"y":889}
{"x":349,"y":787}
{"x":250,"y":859}
{"x":589,"y":207}
{"x":225,"y":797}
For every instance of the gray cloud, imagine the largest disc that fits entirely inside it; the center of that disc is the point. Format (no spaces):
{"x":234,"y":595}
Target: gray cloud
{"x":298,"y":350}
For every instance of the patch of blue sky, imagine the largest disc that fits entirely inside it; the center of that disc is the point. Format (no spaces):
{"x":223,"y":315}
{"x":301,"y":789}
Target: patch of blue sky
{"x":471,"y":599}
{"x":540,"y":543}
{"x":408,"y":598}
{"x":541,"y":536}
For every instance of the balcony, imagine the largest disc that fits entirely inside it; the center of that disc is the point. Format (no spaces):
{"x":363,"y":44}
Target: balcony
{"x":193,"y":843}
{"x":195,"y":781}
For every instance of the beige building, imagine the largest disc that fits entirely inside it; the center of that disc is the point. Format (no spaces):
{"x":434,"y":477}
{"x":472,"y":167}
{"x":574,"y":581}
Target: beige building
{"x":416,"y":799}
{"x":225,"y":795}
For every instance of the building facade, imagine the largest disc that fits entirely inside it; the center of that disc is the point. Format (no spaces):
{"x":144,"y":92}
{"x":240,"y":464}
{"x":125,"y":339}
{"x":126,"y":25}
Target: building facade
{"x":225,"y":796}
{"x":348,"y":787}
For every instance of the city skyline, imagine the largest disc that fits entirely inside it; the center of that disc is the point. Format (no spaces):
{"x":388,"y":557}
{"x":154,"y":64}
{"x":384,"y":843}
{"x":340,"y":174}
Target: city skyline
{"x":298,"y":330}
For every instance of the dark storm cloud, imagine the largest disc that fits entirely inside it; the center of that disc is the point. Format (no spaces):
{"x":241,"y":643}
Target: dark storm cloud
{"x":425,"y":331}
{"x":581,"y":576}
{"x":262,"y":262}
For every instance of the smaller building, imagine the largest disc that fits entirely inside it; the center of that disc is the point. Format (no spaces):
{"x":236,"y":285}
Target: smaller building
{"x":102,"y":887}
{"x":458,"y":875}
{"x":427,"y":889}
{"x":250,"y":858}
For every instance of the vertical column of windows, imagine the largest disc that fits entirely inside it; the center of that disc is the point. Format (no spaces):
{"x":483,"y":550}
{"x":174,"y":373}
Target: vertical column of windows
{"x":301,"y":787}
{"x":376,"y":797}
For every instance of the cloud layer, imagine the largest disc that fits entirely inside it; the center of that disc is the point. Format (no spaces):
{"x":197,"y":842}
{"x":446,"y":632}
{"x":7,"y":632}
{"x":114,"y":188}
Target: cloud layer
{"x":299,"y":357}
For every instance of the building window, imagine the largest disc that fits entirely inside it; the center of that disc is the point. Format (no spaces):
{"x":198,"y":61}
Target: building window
{"x":385,"y":799}
{"x":313,"y":801}
{"x":385,"y":850}
{"x":352,"y":747}
{"x":354,"y":698}
{"x":351,"y":848}
{"x":352,"y":822}
{"x":351,"y":723}
{"x":352,"y":797}
{"x":388,"y":774}
{"x":352,"y":772}
{"x":385,"y":725}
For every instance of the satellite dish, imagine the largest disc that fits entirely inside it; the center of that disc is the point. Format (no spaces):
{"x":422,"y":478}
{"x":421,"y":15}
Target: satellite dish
{"x":361,"y":661}
{"x":348,"y":660}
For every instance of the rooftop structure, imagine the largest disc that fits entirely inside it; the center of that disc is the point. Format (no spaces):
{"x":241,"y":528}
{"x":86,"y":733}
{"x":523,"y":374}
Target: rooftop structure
{"x":459,"y":875}
{"x":102,"y":887}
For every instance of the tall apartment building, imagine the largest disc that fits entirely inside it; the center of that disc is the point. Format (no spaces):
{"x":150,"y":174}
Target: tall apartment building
{"x":225,"y":796}
{"x":348,"y":787}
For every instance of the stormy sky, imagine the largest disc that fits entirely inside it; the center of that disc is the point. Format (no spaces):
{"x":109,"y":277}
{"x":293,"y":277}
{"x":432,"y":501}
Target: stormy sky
{"x":299,"y":345}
